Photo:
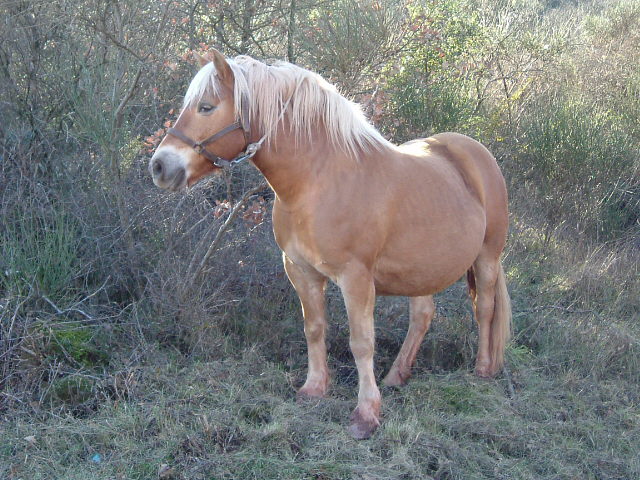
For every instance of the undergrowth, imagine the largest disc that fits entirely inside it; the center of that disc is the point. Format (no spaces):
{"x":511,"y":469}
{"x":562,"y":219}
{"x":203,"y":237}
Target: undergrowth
{"x":117,"y":361}
{"x":221,"y":405}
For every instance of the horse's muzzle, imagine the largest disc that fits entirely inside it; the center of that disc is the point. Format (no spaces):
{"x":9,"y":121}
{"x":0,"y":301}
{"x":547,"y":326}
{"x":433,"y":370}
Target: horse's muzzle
{"x":167,"y":170}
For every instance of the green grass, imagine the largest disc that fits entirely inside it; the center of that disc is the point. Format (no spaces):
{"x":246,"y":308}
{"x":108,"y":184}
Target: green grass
{"x":39,"y":250}
{"x":238,"y":418}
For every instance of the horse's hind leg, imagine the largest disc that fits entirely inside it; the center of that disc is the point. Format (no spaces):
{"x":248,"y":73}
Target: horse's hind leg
{"x":421,"y":311}
{"x":493,"y":313}
{"x":310,"y":285}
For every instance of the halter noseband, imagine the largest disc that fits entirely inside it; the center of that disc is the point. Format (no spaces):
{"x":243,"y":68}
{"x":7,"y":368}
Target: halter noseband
{"x":201,"y":146}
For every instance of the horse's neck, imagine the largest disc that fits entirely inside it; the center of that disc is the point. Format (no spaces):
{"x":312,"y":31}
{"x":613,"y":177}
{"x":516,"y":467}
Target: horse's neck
{"x":292,"y":169}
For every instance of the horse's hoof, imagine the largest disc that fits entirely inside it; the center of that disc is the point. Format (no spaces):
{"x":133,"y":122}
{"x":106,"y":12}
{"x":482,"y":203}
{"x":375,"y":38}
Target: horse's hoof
{"x":395,"y":378}
{"x":306,"y":394}
{"x":362,"y":428}
{"x":484,"y":371}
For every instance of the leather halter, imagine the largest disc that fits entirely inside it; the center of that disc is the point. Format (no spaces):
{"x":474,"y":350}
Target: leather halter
{"x":201,"y":146}
{"x":249,"y":151}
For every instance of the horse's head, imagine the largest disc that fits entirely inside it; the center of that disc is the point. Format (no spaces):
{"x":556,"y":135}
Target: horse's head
{"x":207,"y":132}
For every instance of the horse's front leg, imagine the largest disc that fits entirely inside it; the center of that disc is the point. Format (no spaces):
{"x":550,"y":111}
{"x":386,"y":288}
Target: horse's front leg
{"x":358,"y":290}
{"x":310,"y":285}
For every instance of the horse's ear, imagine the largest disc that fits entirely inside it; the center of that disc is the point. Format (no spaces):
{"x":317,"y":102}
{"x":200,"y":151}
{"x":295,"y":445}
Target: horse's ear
{"x":201,"y":60}
{"x":222,"y":67}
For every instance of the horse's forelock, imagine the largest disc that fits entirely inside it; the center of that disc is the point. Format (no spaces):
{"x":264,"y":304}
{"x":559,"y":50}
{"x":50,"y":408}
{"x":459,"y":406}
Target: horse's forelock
{"x":204,"y":83}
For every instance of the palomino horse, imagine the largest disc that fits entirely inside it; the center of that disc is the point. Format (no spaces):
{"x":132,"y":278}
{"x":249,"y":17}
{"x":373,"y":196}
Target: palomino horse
{"x":375,"y":218}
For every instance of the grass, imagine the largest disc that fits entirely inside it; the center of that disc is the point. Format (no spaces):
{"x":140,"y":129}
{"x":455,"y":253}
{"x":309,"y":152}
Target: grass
{"x":39,"y":250}
{"x":569,"y":408}
{"x":238,"y":418}
{"x":219,"y":403}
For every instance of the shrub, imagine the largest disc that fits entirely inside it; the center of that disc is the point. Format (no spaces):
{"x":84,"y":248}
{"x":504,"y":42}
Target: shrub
{"x":580,"y":162}
{"x":39,"y":250}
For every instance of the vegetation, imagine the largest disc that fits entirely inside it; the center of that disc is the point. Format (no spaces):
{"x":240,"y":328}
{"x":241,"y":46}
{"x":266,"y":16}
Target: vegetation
{"x":143,"y":336}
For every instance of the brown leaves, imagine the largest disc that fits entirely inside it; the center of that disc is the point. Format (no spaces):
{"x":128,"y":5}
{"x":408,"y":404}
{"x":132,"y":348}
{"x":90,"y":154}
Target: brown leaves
{"x":375,"y":105}
{"x":170,"y":65}
{"x":253,"y":214}
{"x":222,"y":207}
{"x":190,"y":54}
{"x":153,"y":140}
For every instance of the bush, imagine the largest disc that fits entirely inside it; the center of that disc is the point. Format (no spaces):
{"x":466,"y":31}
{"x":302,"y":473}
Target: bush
{"x":39,"y":251}
{"x":580,"y":162}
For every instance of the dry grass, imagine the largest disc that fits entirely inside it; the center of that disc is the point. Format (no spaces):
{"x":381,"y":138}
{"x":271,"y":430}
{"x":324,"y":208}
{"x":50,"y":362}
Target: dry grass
{"x":237,"y":418}
{"x":219,"y":402}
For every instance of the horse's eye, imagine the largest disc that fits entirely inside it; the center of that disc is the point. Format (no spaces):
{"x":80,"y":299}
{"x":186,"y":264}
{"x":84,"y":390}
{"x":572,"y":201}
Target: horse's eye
{"x":205,"y":108}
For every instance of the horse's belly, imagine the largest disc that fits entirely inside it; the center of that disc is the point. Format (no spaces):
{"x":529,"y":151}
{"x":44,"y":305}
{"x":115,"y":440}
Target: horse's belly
{"x":415,"y":283}
{"x":426,"y":268}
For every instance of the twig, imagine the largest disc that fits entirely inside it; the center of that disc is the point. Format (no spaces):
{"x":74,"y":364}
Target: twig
{"x":223,"y":228}
{"x":62,"y":312}
{"x":55,"y":307}
{"x":539,"y":308}
{"x":507,"y":375}
{"x":92,"y":294}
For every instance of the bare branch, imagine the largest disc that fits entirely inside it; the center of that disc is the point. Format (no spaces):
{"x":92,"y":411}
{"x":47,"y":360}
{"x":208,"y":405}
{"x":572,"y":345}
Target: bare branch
{"x":223,"y":228}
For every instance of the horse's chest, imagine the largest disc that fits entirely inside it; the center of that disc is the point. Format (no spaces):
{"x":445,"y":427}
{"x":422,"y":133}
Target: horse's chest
{"x":298,"y":240}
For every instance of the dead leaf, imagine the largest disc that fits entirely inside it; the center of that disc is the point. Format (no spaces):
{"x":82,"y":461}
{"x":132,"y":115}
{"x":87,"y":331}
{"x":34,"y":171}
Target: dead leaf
{"x":165,"y":471}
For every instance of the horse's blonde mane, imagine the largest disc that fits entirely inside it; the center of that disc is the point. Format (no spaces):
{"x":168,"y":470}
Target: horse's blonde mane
{"x":315,"y":103}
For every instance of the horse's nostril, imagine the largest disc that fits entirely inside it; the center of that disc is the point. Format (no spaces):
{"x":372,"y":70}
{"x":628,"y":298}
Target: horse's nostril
{"x":156,"y":168}
{"x":167,"y":171}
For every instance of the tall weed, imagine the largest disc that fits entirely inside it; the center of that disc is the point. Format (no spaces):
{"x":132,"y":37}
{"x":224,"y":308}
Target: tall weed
{"x":39,"y":250}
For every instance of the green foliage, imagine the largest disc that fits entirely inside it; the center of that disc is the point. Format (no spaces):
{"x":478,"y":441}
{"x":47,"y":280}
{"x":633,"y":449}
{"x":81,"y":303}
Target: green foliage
{"x":616,"y":20}
{"x":430,"y":105}
{"x":580,"y":160}
{"x":39,"y":249}
{"x":79,"y":345}
{"x":430,"y":90}
{"x":72,"y":390}
{"x":349,"y":40}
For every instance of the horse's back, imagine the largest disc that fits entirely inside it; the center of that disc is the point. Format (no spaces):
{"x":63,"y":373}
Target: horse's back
{"x":472,"y":160}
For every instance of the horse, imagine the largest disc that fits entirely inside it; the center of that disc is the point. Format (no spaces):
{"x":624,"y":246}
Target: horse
{"x":353,"y":208}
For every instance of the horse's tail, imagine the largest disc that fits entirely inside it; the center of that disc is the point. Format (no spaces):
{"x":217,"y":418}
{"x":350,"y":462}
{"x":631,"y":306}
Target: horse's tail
{"x":501,"y":321}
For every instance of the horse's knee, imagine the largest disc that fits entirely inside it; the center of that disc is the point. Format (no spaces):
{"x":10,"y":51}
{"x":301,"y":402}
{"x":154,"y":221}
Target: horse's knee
{"x":362,"y":346}
{"x":314,"y":331}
